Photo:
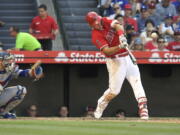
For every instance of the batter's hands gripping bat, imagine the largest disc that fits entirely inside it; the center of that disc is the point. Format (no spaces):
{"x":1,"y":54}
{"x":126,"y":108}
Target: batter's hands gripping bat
{"x":124,"y":44}
{"x":36,"y":71}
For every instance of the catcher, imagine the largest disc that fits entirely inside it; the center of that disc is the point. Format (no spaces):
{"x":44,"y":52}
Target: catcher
{"x":10,"y":97}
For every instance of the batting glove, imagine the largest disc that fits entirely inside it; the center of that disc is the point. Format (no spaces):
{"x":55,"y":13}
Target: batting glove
{"x":123,"y":42}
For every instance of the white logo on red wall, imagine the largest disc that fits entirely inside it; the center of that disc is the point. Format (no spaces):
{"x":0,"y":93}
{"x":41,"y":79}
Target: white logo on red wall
{"x":87,"y":57}
{"x":155,"y":57}
{"x":61,"y":57}
{"x":166,"y":58}
{"x":19,"y":57}
{"x":171,"y":58}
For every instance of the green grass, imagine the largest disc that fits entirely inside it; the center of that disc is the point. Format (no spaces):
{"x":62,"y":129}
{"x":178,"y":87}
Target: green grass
{"x":87,"y":127}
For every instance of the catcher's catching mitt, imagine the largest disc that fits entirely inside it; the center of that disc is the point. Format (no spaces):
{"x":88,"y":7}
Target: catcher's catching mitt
{"x":37,"y":70}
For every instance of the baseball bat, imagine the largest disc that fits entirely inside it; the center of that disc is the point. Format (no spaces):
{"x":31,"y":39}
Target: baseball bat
{"x":131,"y":56}
{"x":122,"y":39}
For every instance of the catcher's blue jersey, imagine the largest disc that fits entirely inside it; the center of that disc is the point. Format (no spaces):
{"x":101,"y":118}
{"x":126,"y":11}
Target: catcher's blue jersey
{"x":6,"y":76}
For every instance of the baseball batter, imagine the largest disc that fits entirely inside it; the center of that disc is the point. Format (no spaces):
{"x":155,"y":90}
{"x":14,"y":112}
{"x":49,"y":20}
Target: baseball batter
{"x":108,"y":36}
{"x":10,"y":97}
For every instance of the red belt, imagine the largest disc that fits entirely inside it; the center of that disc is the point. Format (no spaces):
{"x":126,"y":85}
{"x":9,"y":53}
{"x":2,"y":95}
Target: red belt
{"x":119,"y":55}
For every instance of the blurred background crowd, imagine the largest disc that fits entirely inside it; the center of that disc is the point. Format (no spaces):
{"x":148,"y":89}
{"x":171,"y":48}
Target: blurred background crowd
{"x":42,"y":30}
{"x":152,"y":25}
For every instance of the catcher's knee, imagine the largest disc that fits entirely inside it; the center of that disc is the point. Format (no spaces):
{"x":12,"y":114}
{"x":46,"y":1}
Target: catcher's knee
{"x":15,"y":100}
{"x":21,"y":92}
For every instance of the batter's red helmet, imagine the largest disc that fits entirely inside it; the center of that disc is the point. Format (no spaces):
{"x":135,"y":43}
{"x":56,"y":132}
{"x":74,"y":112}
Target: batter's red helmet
{"x":92,"y":18}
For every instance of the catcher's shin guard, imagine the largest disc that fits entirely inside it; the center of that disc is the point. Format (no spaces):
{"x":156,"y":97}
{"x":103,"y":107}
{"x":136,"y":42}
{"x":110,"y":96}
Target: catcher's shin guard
{"x":14,"y":101}
{"x":143,"y":110}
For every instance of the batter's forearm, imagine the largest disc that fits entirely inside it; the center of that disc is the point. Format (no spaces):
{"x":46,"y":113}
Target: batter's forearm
{"x":118,"y":27}
{"x":122,"y":39}
{"x":110,"y":50}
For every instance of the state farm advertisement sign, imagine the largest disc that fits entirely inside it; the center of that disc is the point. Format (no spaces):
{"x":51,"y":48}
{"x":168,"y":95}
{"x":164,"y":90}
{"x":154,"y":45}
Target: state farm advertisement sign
{"x":80,"y":57}
{"x":60,"y":57}
{"x":92,"y":57}
{"x":165,"y":58}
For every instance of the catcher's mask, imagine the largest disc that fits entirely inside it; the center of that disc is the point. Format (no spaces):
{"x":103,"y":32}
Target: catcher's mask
{"x":8,"y":60}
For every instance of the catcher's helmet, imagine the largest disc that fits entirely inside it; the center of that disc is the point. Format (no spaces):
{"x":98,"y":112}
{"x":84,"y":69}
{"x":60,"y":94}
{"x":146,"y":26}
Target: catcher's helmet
{"x":8,"y":60}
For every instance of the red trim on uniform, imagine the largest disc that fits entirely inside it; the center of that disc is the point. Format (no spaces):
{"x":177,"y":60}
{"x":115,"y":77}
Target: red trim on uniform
{"x":143,"y":112}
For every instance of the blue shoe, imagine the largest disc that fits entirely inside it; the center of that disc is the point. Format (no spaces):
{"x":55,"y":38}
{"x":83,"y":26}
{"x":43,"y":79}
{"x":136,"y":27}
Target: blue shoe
{"x":9,"y":116}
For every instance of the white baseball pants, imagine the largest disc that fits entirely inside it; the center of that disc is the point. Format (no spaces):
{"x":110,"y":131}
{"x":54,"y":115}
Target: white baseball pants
{"x":119,"y":69}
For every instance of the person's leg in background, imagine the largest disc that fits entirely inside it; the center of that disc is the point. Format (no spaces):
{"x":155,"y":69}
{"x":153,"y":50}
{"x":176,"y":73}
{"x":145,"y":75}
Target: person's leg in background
{"x":46,"y":44}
